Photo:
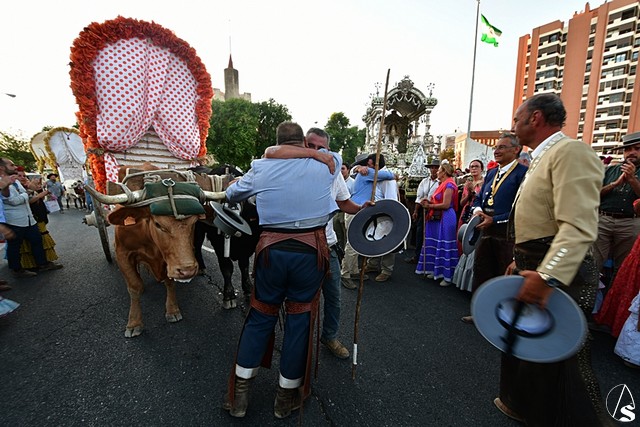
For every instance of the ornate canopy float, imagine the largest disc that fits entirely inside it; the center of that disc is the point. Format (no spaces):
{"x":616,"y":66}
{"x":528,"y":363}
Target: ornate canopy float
{"x":407,"y":145}
{"x":143,"y":96}
{"x":61,"y":151}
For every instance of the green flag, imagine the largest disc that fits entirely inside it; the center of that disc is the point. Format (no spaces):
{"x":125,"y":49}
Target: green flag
{"x":490,"y":34}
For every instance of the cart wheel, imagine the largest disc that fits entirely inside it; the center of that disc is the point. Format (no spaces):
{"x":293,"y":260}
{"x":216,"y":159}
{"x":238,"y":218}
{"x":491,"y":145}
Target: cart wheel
{"x":101,"y":223}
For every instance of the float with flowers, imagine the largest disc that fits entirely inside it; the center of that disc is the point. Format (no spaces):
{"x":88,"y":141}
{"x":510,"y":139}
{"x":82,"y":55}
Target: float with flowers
{"x":143,"y":96}
{"x":60,"y":150}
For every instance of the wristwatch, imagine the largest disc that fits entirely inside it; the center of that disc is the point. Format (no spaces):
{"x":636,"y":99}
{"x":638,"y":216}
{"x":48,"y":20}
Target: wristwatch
{"x":551,"y":281}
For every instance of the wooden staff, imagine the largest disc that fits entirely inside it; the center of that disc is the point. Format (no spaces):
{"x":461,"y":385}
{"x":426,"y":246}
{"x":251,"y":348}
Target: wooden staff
{"x":364,"y":260}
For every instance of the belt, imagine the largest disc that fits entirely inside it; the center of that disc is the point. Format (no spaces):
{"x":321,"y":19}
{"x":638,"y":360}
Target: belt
{"x":617,"y":214}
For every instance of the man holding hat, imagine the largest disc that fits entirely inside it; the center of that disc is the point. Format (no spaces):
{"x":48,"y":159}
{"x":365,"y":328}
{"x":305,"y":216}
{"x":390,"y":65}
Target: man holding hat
{"x":494,"y":251}
{"x":618,"y":226}
{"x":362,"y":190}
{"x":555,"y":222}
{"x":55,"y":189}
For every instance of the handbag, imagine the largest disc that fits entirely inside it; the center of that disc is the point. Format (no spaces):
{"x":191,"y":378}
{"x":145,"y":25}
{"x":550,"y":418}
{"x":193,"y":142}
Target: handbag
{"x":52,"y":206}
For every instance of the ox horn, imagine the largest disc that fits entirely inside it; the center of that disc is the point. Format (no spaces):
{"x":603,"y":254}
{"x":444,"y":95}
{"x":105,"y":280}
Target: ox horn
{"x":123,"y":199}
{"x":214,"y":195}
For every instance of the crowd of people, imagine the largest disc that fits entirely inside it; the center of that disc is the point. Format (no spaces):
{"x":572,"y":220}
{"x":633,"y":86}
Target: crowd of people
{"x":540,"y":216}
{"x":30,"y":249}
{"x":553,"y":213}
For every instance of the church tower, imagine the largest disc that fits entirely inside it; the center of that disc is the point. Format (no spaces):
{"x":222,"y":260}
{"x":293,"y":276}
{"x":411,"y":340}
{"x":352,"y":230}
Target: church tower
{"x":231,"y":81}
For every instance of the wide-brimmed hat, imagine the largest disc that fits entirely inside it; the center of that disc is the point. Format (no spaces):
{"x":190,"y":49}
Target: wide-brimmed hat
{"x":362,"y":159}
{"x":538,"y":335}
{"x":378,"y":230}
{"x":52,"y":174}
{"x":433,"y":162}
{"x":229,"y":222}
{"x":629,"y":140}
{"x":471,"y":235}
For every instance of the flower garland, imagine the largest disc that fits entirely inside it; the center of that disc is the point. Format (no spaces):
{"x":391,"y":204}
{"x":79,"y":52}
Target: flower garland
{"x":85,"y":49}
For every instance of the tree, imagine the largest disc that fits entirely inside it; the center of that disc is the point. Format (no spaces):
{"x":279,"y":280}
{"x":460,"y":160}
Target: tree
{"x":344,"y":139}
{"x":447,"y":154}
{"x":17,"y":150}
{"x":233,"y":132}
{"x":270,"y":115}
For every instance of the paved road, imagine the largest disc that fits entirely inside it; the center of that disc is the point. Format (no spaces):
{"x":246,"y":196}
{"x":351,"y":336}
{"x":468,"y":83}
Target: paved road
{"x":65,"y":362}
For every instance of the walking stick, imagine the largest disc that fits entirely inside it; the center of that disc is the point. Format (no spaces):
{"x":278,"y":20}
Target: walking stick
{"x":364,"y":260}
{"x":423,"y":249}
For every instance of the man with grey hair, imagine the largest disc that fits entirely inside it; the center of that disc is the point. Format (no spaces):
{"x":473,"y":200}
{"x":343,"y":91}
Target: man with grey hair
{"x":494,"y":250}
{"x":554,"y":221}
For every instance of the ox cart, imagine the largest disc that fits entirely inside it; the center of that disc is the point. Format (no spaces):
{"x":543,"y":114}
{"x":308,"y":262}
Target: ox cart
{"x":144,"y":97}
{"x":144,"y":101}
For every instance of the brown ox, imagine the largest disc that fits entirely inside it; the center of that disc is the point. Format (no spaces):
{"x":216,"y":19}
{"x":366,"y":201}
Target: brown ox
{"x":161,"y":242}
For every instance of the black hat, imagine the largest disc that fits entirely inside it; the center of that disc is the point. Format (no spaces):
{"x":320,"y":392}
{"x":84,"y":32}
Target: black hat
{"x":540,"y":335}
{"x":378,"y":230}
{"x":471,"y":235}
{"x":52,"y":174}
{"x":229,"y":222}
{"x":629,"y":140}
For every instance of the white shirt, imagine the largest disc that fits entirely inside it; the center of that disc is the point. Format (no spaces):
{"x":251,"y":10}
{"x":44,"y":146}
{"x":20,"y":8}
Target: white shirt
{"x":16,"y":207}
{"x":387,"y":189}
{"x":339,"y":192}
{"x":426,"y":188}
{"x":535,"y":153}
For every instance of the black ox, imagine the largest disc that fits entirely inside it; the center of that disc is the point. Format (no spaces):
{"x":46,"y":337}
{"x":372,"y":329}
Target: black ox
{"x":242,"y":248}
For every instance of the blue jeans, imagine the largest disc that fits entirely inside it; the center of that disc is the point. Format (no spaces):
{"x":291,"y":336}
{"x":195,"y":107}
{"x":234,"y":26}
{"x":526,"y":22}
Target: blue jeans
{"x":331,"y":293}
{"x":33,"y":236}
{"x":293,"y":276}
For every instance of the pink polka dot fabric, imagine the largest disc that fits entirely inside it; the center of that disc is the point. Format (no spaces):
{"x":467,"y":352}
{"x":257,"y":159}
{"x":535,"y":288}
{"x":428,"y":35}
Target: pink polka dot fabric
{"x":138,"y":86}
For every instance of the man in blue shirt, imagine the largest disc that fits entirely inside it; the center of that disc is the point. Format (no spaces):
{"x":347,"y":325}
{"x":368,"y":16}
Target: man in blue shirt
{"x":361,"y":193}
{"x":294,"y":203}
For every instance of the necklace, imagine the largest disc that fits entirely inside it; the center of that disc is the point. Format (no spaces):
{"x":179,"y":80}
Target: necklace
{"x":495,"y":185}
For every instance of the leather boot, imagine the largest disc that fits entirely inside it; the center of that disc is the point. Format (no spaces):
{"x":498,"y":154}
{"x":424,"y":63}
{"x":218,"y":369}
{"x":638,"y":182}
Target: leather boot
{"x":287,"y":400}
{"x":241,"y":398}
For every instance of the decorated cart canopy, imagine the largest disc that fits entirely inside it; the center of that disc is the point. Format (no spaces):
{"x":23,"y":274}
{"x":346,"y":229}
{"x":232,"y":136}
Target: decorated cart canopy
{"x":60,"y":150}
{"x":143,"y":96}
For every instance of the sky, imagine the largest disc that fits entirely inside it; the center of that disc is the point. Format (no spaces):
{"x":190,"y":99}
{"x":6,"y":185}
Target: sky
{"x":315,"y":57}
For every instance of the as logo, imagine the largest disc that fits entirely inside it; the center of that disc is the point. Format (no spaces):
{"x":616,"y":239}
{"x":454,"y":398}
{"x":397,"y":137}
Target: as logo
{"x":620,"y":404}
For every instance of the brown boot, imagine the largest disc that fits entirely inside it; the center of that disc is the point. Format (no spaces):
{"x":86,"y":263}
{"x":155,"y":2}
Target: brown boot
{"x":241,"y":398}
{"x":287,"y":400}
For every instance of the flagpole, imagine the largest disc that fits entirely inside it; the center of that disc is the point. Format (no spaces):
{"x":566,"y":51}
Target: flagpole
{"x":473,"y":71}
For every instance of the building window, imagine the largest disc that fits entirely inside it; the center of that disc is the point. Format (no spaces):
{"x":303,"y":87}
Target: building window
{"x":587,"y":67}
{"x":629,"y":13}
{"x":553,"y":38}
{"x":621,"y":57}
{"x":634,"y":55}
{"x":616,"y":97}
{"x":586,"y":80}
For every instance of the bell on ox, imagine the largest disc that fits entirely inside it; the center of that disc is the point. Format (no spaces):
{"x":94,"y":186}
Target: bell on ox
{"x":526,"y":331}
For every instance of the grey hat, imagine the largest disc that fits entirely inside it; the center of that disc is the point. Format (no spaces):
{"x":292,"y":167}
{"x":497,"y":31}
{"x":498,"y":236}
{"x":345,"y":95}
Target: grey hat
{"x":379,"y":229}
{"x":629,"y":140}
{"x":434,"y":162}
{"x":471,"y":235}
{"x":546,"y":335}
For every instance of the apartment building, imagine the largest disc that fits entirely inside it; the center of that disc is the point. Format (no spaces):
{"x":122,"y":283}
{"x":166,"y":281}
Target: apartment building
{"x":592,"y":63}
